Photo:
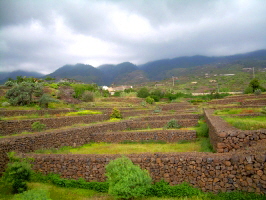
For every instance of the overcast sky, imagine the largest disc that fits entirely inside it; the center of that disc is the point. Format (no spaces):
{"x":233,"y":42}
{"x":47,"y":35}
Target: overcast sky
{"x":43,"y":35}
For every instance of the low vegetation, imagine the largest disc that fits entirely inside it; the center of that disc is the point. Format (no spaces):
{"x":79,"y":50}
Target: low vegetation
{"x":127,"y":148}
{"x":247,"y":123}
{"x":232,"y":111}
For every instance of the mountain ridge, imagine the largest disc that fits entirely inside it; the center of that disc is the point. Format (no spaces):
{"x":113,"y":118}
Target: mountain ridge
{"x":128,"y":73}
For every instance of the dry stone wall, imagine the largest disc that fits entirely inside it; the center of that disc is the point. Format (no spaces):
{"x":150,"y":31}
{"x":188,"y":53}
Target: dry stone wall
{"x":255,"y":102}
{"x":244,"y":171}
{"x":77,"y":136}
{"x":177,"y":106}
{"x":225,"y":138}
{"x":238,"y":169}
{"x":169,"y":117}
{"x":17,"y":126}
{"x":162,"y":135}
{"x":8,"y":113}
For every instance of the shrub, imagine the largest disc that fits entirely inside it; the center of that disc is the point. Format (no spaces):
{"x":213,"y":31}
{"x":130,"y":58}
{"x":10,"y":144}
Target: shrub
{"x":36,"y":194}
{"x":149,"y":100}
{"x":22,"y":94}
{"x":143,"y":103}
{"x":45,"y":100}
{"x":257,"y":92}
{"x":116,"y":114}
{"x":127,"y":180}
{"x":79,"y":89}
{"x":155,"y":97}
{"x":38,"y":126}
{"x":173,"y":124}
{"x":248,"y":90}
{"x":80,"y":183}
{"x":117,"y":93}
{"x":5,"y":104}
{"x":157,"y":110}
{"x":9,"y":83}
{"x":87,"y":96}
{"x":202,"y":129}
{"x":143,"y":93}
{"x":163,"y":189}
{"x":18,"y":171}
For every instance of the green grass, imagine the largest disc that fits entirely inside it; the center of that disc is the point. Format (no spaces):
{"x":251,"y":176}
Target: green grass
{"x":247,"y":123}
{"x":107,"y":148}
{"x":55,"y":192}
{"x":33,"y":116}
{"x":231,"y":111}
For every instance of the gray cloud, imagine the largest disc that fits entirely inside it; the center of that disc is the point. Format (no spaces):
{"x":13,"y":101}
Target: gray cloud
{"x":44,"y":35}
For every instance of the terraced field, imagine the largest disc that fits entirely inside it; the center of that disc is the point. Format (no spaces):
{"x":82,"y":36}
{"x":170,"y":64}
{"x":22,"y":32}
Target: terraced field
{"x":81,"y":146}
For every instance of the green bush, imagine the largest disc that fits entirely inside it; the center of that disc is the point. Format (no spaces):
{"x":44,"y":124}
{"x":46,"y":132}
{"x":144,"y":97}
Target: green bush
{"x":143,"y":103}
{"x":5,"y":104}
{"x":22,"y":94}
{"x":87,"y":96}
{"x":163,"y":189}
{"x":127,"y":180}
{"x":9,"y":83}
{"x":45,"y":100}
{"x":143,"y":93}
{"x":18,"y":171}
{"x":173,"y":123}
{"x":36,"y":194}
{"x":149,"y":100}
{"x":202,"y":129}
{"x":79,"y":89}
{"x":248,"y":90}
{"x":117,"y":93}
{"x":61,"y":182}
{"x":257,"y":92}
{"x":38,"y":126}
{"x":116,"y":114}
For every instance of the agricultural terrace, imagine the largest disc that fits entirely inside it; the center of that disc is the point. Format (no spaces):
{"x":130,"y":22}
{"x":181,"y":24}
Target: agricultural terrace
{"x":215,"y":145}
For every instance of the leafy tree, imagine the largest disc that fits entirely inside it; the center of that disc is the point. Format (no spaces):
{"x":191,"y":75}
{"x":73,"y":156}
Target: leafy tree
{"x":22,"y":94}
{"x":49,"y":78}
{"x":129,"y":90}
{"x":79,"y":89}
{"x":254,"y":84}
{"x":157,"y":95}
{"x":143,"y":93}
{"x":127,"y":180}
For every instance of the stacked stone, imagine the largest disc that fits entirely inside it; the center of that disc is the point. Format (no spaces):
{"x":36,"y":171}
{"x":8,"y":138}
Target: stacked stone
{"x":17,"y":126}
{"x":225,"y":138}
{"x":8,"y":113}
{"x":163,"y":135}
{"x":177,"y":106}
{"x":244,"y":171}
{"x":169,"y":117}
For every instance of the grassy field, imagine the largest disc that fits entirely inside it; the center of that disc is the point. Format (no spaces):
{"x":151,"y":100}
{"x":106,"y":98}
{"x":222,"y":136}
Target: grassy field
{"x":232,"y":111}
{"x":247,"y":123}
{"x":112,"y":148}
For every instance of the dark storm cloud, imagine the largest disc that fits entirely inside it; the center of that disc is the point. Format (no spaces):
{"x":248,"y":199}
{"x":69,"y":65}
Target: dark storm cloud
{"x":44,"y":35}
